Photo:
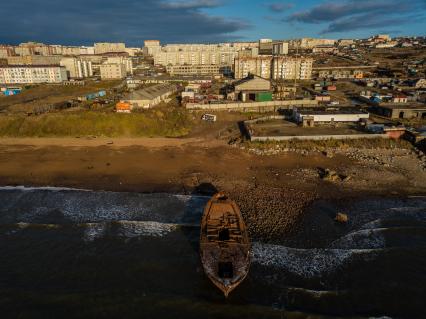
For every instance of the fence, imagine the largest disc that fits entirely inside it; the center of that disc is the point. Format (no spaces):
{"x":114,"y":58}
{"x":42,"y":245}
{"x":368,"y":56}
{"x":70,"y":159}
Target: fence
{"x":254,"y":138}
{"x":252,"y":106}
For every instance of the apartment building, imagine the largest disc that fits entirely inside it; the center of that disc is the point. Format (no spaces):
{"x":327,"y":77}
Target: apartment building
{"x":112,"y":71}
{"x":199,"y":69}
{"x":77,"y":68}
{"x":127,"y":62}
{"x":6,"y":51}
{"x":33,"y":48}
{"x":265,"y":46}
{"x":290,"y":68}
{"x":32,"y":74}
{"x":34,"y":60}
{"x":151,"y":47}
{"x":195,"y":54}
{"x":280,"y":48}
{"x":74,"y":50}
{"x":309,"y":43}
{"x":260,"y":66}
{"x":106,"y":47}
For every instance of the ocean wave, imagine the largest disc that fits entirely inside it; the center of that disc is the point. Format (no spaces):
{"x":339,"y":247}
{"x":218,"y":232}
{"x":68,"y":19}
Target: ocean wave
{"x":361,"y":239}
{"x":127,"y":229}
{"x":307,"y":263}
{"x":56,"y":205}
{"x":42,"y":188}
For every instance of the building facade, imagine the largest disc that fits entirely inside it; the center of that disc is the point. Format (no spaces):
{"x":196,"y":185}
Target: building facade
{"x":34,"y":60}
{"x":77,"y":68}
{"x":127,"y":62}
{"x":290,"y":68}
{"x":260,"y":66}
{"x":105,"y":47}
{"x":112,"y":71}
{"x":151,"y":47}
{"x":148,"y":97}
{"x":200,"y":69}
{"x":32,"y":74}
{"x":195,"y":54}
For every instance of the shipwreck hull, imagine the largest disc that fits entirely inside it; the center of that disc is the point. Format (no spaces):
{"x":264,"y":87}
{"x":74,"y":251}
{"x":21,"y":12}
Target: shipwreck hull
{"x":224,"y":244}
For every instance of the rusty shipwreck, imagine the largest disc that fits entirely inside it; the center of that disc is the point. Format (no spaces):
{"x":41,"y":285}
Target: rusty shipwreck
{"x":224,"y":243}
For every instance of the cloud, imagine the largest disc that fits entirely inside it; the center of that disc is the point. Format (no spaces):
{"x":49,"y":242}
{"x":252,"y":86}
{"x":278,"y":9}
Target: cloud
{"x":331,"y":11}
{"x":279,"y":7}
{"x":349,"y":15}
{"x":132,"y":21}
{"x":370,"y":21}
{"x":194,"y":4}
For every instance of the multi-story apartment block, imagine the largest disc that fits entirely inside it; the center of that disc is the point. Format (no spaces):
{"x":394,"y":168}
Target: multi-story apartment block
{"x":32,"y":74}
{"x":290,"y":68}
{"x":260,"y":66}
{"x":127,"y":62}
{"x":6,"y":51}
{"x":77,"y":68}
{"x":112,"y":71}
{"x":200,"y":69}
{"x":34,"y":60}
{"x":309,"y":43}
{"x":101,"y":48}
{"x":72,"y":50}
{"x":280,"y":48}
{"x":151,"y":47}
{"x":195,"y":54}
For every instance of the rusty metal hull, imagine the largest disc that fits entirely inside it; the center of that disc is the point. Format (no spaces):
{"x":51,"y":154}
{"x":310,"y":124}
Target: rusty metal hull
{"x":224,"y":243}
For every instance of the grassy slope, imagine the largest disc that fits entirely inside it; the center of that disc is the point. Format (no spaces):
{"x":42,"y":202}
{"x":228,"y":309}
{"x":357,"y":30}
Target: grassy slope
{"x":172,"y":123}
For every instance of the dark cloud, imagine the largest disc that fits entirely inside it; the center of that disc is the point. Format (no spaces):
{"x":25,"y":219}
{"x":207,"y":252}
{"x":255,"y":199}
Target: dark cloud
{"x":370,"y":21}
{"x":279,"y":7}
{"x":331,"y":11}
{"x":131,"y":21}
{"x":194,"y":4}
{"x":349,"y":15}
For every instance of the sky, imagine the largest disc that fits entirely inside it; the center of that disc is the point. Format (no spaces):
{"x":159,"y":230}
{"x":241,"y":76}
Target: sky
{"x":83,"y":22}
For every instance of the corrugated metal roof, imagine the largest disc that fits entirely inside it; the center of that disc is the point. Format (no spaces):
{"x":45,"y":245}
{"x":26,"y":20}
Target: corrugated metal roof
{"x":150,"y":93}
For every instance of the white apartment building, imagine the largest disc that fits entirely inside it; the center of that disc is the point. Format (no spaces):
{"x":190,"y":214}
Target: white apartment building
{"x":151,"y":47}
{"x":195,"y":54}
{"x":260,"y":66}
{"x":106,"y":47}
{"x":112,"y":71}
{"x":127,"y":62}
{"x":309,"y":43}
{"x":34,"y":60}
{"x":6,"y":51}
{"x":77,"y":68}
{"x":32,"y":74}
{"x":290,"y":68}
{"x":280,"y":48}
{"x":199,"y":70}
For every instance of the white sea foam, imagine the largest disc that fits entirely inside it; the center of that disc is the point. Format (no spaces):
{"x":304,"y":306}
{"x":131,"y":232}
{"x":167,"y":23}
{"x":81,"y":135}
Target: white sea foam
{"x":134,"y":229}
{"x":307,"y":263}
{"x":93,"y":231}
{"x":361,"y":239}
{"x":42,"y":188}
{"x":127,"y":229}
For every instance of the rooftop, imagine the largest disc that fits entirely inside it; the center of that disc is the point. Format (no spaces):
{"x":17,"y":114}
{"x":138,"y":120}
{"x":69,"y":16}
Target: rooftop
{"x":319,"y":111}
{"x":149,"y":93}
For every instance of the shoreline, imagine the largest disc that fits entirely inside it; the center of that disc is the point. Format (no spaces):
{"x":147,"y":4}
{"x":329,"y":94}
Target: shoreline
{"x":274,"y":192}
